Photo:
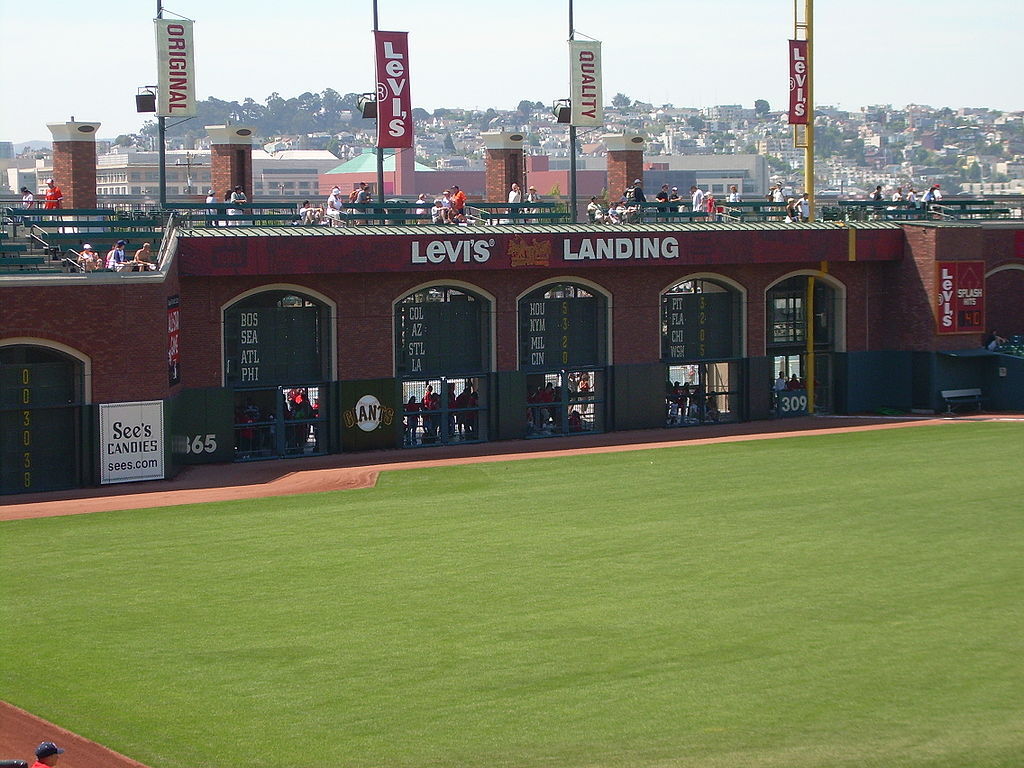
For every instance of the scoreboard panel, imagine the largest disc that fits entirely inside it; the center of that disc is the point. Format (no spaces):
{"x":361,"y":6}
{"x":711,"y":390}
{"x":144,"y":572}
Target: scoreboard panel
{"x":698,"y":326}
{"x":561,"y":332}
{"x":272,"y":345}
{"x":440,"y":337}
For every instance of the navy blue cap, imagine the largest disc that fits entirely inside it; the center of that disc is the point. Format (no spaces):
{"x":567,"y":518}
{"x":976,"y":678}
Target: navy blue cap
{"x":48,"y":748}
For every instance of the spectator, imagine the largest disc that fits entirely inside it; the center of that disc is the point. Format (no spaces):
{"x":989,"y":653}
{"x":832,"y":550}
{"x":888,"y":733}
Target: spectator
{"x":363,"y":196}
{"x":912,"y":196}
{"x":515,"y":194}
{"x":458,"y":202}
{"x":897,"y":196}
{"x":422,"y":206}
{"x":711,"y":206}
{"x":791,"y":211}
{"x":594,"y":213}
{"x":993,"y":341}
{"x":662,"y":197}
{"x":804,"y":206}
{"x":237,"y":199}
{"x":674,"y":198}
{"x":335,"y":206}
{"x":28,"y":200}
{"x":635,"y":194}
{"x":47,"y":755}
{"x":143,"y":260}
{"x":54,"y":197}
{"x":211,"y":212}
{"x":776,"y":194}
{"x":88,"y":259}
{"x":794,"y":383}
{"x":437,"y":212}
{"x":697,"y":199}
{"x":310,"y":215}
{"x":734,"y":195}
{"x":116,"y":256}
{"x":780,"y":383}
{"x":877,"y":194}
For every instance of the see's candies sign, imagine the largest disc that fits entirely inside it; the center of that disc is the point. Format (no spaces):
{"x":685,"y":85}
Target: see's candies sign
{"x":394,"y":106}
{"x":798,"y":82}
{"x":961,"y":299}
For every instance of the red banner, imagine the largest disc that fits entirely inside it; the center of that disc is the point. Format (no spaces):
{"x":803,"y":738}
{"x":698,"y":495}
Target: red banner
{"x":173,"y":340}
{"x":961,"y":299}
{"x":798,"y":69}
{"x":394,"y":106}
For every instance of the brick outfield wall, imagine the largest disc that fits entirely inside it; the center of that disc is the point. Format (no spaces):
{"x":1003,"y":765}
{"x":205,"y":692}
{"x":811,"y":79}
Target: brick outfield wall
{"x":122,"y":327}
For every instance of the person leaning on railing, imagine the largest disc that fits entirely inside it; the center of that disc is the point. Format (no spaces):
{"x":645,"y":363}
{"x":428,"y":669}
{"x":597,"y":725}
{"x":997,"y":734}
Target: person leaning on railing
{"x":88,"y":260}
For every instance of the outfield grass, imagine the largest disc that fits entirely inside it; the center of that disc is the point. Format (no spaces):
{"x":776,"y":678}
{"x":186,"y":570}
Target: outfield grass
{"x":848,"y":600}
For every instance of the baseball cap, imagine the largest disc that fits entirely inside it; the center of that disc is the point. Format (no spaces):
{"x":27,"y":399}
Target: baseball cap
{"x":48,"y":748}
{"x":636,"y":181}
{"x":49,"y":181}
{"x":122,"y":242}
{"x":86,"y":247}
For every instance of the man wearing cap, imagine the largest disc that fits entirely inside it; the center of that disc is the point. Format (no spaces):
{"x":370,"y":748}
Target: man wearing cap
{"x":88,"y":259}
{"x":47,"y":755}
{"x":116,"y":256}
{"x":53,"y":195}
{"x":662,"y":197}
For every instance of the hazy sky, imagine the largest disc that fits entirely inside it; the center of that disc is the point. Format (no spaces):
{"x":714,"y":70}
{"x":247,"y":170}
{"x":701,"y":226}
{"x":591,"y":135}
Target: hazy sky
{"x":87,"y":59}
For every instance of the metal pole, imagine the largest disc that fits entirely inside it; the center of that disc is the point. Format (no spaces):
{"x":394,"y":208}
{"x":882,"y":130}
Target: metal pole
{"x":572,"y":142}
{"x":809,"y":150}
{"x":161,"y":130}
{"x":380,"y":152}
{"x":809,"y":333}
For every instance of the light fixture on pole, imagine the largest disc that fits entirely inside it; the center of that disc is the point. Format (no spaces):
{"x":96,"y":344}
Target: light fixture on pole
{"x":562,"y":110}
{"x":366,"y":103}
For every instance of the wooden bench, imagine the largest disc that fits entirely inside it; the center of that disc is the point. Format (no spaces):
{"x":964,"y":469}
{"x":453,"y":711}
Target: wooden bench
{"x":955,"y":397}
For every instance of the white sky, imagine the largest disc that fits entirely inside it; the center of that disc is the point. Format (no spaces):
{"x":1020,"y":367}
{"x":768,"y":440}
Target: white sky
{"x":87,"y":59}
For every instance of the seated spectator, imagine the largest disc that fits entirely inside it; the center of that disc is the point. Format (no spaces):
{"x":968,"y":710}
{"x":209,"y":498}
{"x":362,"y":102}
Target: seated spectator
{"x":993,"y":341}
{"x":437,"y":214}
{"x":143,"y":261}
{"x":116,"y":257}
{"x":422,"y":206}
{"x":594,"y":212}
{"x":310,"y":215}
{"x":88,"y":259}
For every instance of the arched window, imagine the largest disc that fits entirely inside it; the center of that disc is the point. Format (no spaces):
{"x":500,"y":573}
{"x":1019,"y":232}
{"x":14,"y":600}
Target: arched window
{"x":700,"y":320}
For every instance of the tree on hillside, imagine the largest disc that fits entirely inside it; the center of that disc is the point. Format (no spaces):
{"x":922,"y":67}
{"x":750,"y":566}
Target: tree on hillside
{"x":621,"y":101}
{"x":525,"y":108}
{"x":761,"y":107}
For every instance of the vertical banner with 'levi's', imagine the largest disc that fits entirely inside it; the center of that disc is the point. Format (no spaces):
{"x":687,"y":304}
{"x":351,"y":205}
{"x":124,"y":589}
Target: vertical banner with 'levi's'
{"x":961,"y":297}
{"x":585,"y":83}
{"x":798,"y":82}
{"x":394,"y":106}
{"x":175,"y":69}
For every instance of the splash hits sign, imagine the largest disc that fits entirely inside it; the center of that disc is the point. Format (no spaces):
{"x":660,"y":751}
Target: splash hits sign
{"x":798,"y":82}
{"x":394,"y":105}
{"x":961,"y":300}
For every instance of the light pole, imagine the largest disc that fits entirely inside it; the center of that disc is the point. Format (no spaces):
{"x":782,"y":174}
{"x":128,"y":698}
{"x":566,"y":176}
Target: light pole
{"x":572,"y":142}
{"x":380,"y":152}
{"x":161,"y":130}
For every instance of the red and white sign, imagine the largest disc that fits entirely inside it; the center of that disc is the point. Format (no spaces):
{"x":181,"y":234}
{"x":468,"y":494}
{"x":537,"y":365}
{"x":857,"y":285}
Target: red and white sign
{"x":585,"y":83}
{"x":798,"y":70}
{"x":961,"y":298}
{"x":173,"y":340}
{"x":394,"y":105}
{"x":175,"y":69}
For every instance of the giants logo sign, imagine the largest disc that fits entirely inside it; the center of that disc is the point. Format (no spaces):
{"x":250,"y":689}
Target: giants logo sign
{"x":798,"y":82}
{"x":394,"y":105}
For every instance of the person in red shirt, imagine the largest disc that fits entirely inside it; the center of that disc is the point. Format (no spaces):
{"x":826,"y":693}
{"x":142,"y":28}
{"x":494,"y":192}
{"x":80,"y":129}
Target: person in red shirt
{"x":53,"y":195}
{"x":458,"y":200}
{"x":47,"y":755}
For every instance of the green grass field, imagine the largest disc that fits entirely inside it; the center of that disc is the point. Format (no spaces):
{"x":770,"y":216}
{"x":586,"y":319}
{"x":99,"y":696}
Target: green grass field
{"x":847,"y":600}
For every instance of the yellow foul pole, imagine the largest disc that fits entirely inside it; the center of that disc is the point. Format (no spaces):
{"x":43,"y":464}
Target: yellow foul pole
{"x":803,"y":136}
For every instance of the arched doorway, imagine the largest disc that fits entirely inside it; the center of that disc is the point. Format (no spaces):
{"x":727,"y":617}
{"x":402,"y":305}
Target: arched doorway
{"x":41,"y":397}
{"x":442,"y":363}
{"x":563,"y":349}
{"x":789,"y":327}
{"x":277,"y":359}
{"x":702,"y":346}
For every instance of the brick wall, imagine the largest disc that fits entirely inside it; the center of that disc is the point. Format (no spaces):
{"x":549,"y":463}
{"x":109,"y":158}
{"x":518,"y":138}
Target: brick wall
{"x":624,"y":166}
{"x":231,"y":166}
{"x":504,"y":166}
{"x":74,"y":171}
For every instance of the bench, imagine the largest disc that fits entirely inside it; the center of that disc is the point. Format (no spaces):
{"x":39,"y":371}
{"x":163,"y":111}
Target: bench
{"x":955,"y":397}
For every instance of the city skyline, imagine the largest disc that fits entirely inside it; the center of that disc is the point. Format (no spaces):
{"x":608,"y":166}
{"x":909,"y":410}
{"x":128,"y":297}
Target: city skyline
{"x":683,"y":53}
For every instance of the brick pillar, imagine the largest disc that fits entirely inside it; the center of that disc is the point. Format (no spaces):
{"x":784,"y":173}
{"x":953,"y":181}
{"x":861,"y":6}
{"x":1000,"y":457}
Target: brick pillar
{"x":405,"y":172}
{"x":625,"y":162}
{"x":230,"y":158}
{"x":74,"y":162}
{"x":504,"y":164}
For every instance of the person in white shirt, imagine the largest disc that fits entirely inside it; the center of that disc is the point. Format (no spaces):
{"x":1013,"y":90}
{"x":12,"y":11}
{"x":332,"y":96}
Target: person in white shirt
{"x":697,"y":199}
{"x":734,"y":195}
{"x":334,"y":207}
{"x":897,"y":196}
{"x":804,"y":206}
{"x":422,"y":205}
{"x":780,"y":383}
{"x":777,"y":196}
{"x":515,"y":195}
